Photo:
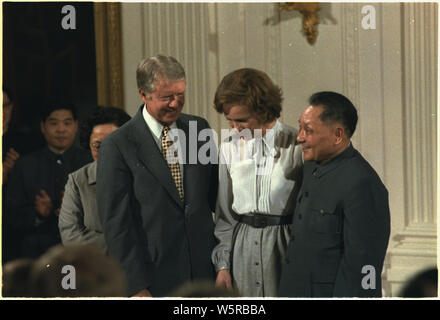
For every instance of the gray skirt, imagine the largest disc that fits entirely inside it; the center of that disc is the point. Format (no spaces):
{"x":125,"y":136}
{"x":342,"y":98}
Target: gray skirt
{"x":257,"y":257}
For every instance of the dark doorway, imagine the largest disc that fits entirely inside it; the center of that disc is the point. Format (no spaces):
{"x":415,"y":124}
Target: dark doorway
{"x":43,"y":61}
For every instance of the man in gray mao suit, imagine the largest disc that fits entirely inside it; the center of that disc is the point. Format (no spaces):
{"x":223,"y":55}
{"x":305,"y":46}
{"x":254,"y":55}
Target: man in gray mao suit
{"x":156,"y":214}
{"x":341,"y":224}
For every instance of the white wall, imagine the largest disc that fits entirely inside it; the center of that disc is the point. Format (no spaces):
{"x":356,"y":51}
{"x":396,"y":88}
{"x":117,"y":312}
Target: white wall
{"x":390,"y":74}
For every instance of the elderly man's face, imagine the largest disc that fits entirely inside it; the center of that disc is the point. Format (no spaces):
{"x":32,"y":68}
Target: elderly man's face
{"x":99,"y":133}
{"x":166,"y":102}
{"x":317,"y":138}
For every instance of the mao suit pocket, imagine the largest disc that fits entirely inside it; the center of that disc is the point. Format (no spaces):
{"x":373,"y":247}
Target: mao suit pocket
{"x":326,"y":219}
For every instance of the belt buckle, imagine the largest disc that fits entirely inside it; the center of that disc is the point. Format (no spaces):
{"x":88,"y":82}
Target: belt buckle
{"x":260,"y":222}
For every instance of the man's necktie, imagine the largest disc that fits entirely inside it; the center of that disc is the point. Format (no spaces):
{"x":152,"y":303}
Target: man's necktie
{"x":174,"y":167}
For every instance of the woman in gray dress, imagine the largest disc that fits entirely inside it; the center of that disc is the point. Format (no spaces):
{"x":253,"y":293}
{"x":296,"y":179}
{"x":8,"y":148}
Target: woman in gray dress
{"x":78,"y":220}
{"x":260,"y":172}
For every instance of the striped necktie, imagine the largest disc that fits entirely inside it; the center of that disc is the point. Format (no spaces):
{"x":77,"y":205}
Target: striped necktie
{"x":174,"y":167}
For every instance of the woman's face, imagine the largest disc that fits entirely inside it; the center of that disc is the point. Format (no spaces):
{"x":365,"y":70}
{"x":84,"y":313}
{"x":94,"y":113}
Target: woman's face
{"x":239,"y":118}
{"x":98,"y":135}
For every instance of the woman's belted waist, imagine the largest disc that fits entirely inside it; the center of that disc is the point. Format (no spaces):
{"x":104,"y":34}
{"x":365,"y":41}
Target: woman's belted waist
{"x":264,"y":220}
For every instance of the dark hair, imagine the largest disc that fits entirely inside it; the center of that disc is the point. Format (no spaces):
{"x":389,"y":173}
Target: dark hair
{"x":52,"y":106}
{"x":251,"y":88}
{"x":337,"y":108}
{"x":203,"y":289}
{"x":16,"y":278}
{"x":423,"y":284}
{"x":101,"y":115}
{"x":96,"y":273}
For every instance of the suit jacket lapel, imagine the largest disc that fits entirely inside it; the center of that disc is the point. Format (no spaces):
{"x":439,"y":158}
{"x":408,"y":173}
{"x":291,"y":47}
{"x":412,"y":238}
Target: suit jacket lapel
{"x":149,"y":154}
{"x":190,"y":168}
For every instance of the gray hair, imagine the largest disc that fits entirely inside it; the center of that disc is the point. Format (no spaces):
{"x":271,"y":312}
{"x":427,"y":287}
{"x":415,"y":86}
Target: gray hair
{"x":158,"y":68}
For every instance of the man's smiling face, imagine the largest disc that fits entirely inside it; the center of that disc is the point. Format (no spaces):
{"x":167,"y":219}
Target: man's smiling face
{"x":166,"y":102}
{"x":316,"y":137}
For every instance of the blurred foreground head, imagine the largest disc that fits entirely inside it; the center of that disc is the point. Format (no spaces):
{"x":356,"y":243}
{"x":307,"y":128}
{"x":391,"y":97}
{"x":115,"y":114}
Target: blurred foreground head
{"x":203,"y":289}
{"x":16,"y":278}
{"x":76,"y":271}
{"x":424,"y":284}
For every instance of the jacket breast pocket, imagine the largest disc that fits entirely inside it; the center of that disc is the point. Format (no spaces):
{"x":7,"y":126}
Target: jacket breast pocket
{"x":326,"y":219}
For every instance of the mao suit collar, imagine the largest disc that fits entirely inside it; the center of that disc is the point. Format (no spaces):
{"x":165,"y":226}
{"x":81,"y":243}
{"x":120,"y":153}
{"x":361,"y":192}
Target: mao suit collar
{"x":322,"y":169}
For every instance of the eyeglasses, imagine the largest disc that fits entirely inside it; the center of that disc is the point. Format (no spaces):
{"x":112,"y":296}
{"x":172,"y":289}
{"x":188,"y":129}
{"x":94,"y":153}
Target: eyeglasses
{"x":96,"y":145}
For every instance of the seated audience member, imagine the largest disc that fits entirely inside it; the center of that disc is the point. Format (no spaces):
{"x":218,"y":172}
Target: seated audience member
{"x":76,"y":271}
{"x":35,"y":186}
{"x":423,"y":285}
{"x":16,"y":278}
{"x":79,"y":220}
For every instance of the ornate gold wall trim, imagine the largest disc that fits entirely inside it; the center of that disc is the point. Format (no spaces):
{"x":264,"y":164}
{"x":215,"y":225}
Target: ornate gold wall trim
{"x":108,"y":54}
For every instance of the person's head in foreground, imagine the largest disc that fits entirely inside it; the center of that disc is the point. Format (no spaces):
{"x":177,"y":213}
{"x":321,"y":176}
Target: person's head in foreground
{"x":203,"y":289}
{"x":76,"y":271}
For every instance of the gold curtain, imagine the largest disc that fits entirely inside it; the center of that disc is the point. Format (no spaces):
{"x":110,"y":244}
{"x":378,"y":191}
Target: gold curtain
{"x":108,"y":54}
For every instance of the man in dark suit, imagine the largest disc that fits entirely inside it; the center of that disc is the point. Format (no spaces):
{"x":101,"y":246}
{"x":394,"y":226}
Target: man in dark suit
{"x":341,"y":225}
{"x":156,"y":214}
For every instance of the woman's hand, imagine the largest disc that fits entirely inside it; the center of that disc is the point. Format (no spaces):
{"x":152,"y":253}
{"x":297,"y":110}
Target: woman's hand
{"x":224,"y":279}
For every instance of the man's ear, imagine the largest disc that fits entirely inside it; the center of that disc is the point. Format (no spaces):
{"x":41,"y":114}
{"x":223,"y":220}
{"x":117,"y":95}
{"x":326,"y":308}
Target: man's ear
{"x":143,"y":96}
{"x":339,"y":134}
